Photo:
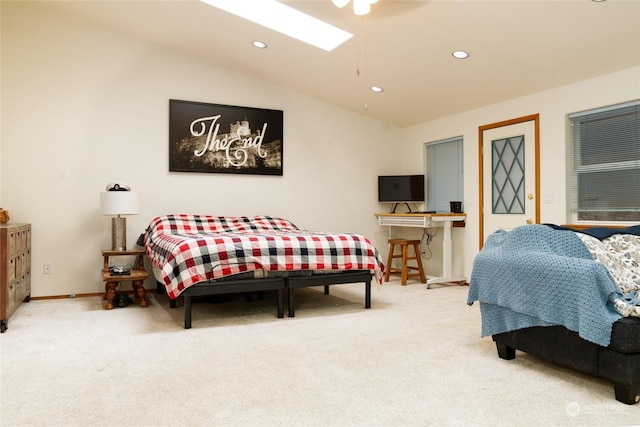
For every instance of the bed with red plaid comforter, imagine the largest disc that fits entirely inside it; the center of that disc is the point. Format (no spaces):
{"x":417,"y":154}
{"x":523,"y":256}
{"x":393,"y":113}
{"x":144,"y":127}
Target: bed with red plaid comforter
{"x":189,"y":249}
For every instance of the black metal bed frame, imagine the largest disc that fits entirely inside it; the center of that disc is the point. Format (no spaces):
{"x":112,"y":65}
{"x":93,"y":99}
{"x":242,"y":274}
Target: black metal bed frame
{"x":277,"y":284}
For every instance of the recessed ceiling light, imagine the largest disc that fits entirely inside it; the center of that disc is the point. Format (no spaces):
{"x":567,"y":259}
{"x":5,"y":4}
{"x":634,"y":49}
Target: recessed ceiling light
{"x":286,"y":20}
{"x":259,"y":45}
{"x":460,"y":54}
{"x":376,"y":89}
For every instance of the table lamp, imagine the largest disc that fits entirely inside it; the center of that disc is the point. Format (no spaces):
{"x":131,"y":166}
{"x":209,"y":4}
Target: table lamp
{"x":118,"y":200}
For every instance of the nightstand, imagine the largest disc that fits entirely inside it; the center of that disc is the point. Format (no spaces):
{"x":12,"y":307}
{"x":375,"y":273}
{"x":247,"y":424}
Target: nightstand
{"x":136,"y":276}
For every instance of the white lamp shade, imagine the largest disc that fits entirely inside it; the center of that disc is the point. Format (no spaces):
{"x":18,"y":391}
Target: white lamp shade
{"x":119,"y":203}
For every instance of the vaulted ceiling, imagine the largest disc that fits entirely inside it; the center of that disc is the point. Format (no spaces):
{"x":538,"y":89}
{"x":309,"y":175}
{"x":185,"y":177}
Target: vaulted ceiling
{"x":516,"y":47}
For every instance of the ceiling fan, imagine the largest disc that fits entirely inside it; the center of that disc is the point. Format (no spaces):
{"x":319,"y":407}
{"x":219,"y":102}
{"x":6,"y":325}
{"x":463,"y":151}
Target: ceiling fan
{"x":360,"y":7}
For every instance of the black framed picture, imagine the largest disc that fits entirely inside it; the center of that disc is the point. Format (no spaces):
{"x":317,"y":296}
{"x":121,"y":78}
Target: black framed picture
{"x":224,"y":138}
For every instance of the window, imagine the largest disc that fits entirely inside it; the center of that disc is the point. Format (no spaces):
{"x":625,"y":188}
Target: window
{"x":605,"y":155}
{"x":444,"y":173}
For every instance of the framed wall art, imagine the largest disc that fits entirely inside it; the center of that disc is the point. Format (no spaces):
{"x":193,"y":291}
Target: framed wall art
{"x":224,"y":139}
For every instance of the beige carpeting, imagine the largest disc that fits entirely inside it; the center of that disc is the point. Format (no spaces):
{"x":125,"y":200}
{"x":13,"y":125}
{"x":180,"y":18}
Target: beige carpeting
{"x":414,"y":359}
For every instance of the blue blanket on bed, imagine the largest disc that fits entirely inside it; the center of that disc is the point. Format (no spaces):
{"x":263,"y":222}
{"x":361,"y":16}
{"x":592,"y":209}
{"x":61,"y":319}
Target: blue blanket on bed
{"x":534,"y":275}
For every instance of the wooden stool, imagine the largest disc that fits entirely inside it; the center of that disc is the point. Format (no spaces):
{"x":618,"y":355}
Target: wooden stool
{"x":404,"y":270}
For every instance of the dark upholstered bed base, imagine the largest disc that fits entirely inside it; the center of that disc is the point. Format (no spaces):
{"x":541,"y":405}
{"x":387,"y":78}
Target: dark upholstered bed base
{"x":619,"y":362}
{"x":278,"y":284}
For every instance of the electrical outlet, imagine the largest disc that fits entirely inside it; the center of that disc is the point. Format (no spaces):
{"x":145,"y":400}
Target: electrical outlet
{"x":46,"y":269}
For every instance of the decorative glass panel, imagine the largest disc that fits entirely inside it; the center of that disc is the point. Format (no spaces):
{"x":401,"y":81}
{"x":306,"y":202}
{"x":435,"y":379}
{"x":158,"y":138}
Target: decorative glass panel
{"x":507,"y":160}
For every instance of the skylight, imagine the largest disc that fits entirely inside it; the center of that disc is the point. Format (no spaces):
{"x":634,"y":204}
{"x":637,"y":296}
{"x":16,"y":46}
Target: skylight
{"x":285,"y":20}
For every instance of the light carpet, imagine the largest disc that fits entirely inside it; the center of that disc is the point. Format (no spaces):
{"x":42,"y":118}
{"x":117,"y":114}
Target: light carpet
{"x":414,"y":359}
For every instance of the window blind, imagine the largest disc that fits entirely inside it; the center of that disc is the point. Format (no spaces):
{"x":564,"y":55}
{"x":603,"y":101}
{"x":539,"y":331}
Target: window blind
{"x":605,"y":157}
{"x":444,"y":175}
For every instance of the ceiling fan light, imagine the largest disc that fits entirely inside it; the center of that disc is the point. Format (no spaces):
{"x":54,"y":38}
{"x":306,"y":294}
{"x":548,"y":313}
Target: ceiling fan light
{"x":340,"y":3}
{"x":361,"y":7}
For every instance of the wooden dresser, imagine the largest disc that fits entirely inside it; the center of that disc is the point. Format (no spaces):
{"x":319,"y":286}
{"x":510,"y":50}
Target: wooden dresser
{"x":15,"y":269}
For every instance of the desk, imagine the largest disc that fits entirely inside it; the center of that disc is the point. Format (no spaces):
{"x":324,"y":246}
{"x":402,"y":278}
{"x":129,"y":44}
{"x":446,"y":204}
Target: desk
{"x":425,"y":221}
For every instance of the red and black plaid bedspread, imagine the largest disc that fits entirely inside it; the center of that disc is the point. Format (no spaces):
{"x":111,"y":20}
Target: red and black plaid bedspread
{"x":189,"y":249}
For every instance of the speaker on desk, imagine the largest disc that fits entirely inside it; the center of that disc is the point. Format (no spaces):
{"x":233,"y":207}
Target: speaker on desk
{"x":456,"y":207}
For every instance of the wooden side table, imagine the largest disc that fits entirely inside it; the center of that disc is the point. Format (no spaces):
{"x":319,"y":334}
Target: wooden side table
{"x":137,"y":276}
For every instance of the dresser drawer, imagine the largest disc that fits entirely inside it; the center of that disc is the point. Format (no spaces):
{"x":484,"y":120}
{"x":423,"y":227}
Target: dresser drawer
{"x":12,"y":269}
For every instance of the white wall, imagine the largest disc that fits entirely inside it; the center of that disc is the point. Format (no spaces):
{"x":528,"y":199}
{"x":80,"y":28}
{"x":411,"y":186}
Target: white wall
{"x":83,"y":106}
{"x":553,"y":107}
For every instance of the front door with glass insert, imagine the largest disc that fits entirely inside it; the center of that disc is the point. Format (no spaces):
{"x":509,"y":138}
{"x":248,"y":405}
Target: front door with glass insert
{"x":509,"y":175}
